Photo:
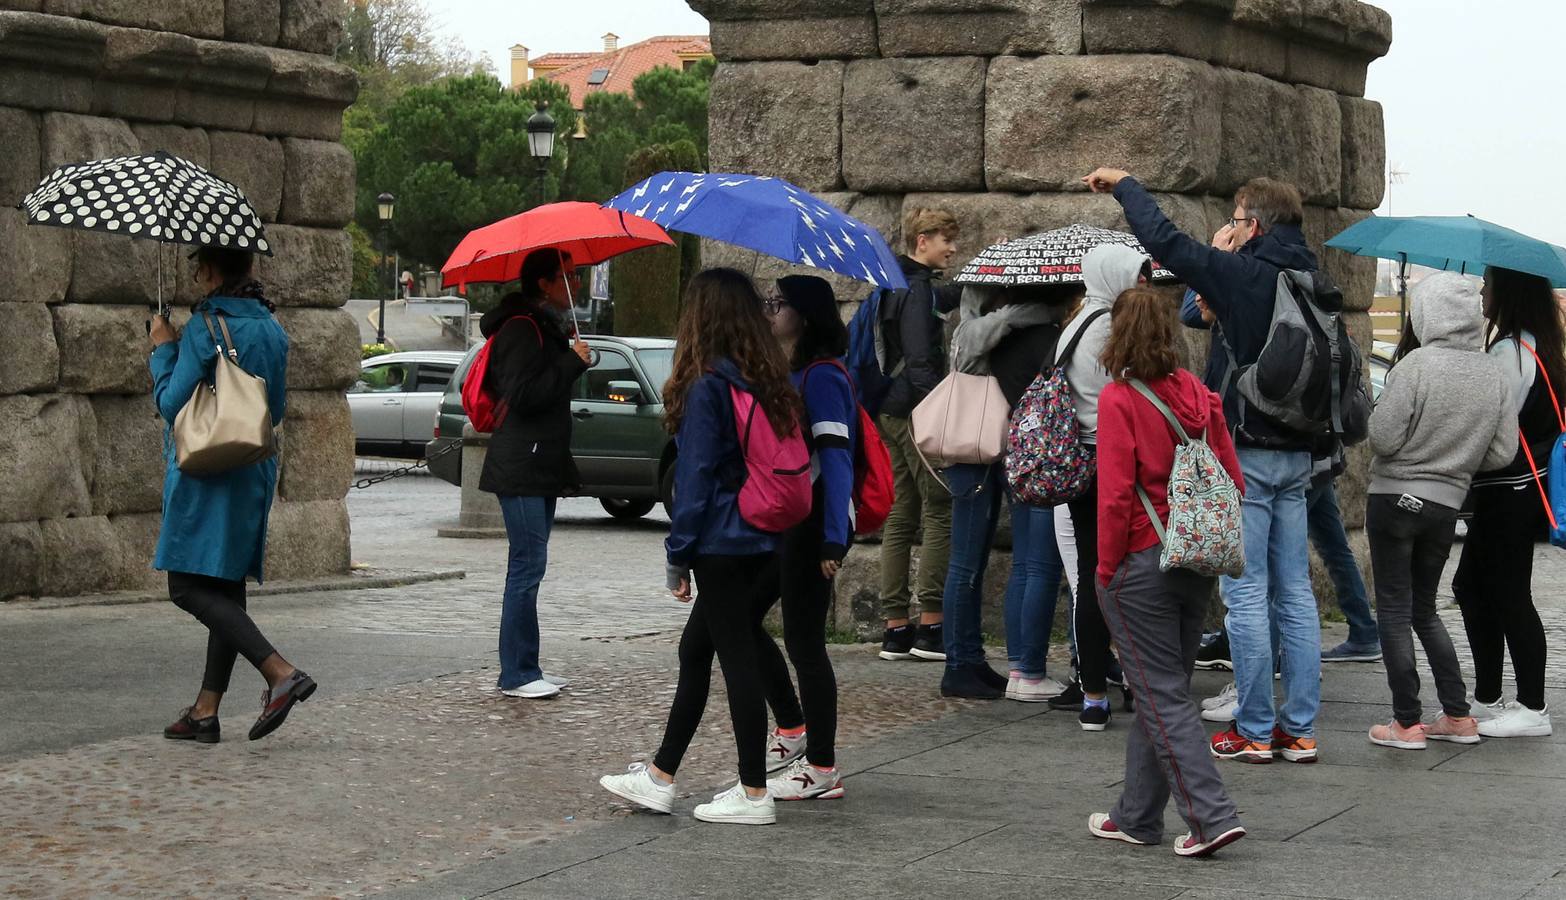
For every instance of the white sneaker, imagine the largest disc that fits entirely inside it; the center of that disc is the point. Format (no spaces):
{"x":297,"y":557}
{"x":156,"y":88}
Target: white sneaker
{"x":1222,"y":707}
{"x":782,"y":750}
{"x":556,"y":680}
{"x":533,"y":690}
{"x":1484,"y":712}
{"x":735,"y":807}
{"x":638,"y":786}
{"x":1517,"y":721}
{"x":1027,"y":692}
{"x":1228,"y":695}
{"x":803,"y":781}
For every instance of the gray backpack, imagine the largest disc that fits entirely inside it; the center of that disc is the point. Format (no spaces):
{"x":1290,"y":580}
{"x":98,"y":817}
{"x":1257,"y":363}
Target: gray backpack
{"x":1308,"y":378}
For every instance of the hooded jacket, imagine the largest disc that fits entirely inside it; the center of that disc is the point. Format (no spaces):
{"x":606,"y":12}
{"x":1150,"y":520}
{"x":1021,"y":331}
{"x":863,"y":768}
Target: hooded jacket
{"x":1447,"y":410}
{"x":912,"y":333}
{"x":533,"y":367}
{"x":708,"y":471}
{"x":1108,"y":271}
{"x":1136,"y":447}
{"x":1239,"y":287}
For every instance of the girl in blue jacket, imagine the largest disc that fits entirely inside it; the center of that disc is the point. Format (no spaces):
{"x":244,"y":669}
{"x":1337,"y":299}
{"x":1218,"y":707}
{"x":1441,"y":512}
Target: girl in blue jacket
{"x":723,"y":340}
{"x":214,"y":526}
{"x":806,"y":322}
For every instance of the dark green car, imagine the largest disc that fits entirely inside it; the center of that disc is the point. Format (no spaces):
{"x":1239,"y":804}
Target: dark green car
{"x":625,"y":457}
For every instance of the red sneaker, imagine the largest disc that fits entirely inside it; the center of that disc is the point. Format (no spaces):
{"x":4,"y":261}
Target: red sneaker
{"x":1230,"y":744}
{"x":1101,"y":826}
{"x":1188,"y":845}
{"x":1291,"y":748}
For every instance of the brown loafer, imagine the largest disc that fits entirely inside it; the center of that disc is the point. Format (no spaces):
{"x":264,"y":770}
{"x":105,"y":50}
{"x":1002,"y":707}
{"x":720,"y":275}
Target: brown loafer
{"x":276,"y":703}
{"x":202,"y":731}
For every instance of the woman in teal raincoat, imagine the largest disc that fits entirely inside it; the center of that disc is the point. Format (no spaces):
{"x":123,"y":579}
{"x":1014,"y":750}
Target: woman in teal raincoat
{"x":214,"y":526}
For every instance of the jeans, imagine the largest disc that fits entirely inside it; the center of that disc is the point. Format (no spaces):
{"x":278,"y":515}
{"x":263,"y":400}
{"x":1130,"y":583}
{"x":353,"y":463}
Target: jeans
{"x":1408,"y":551}
{"x":1034,"y":588}
{"x":1275,"y":589}
{"x":722,"y":624}
{"x":1327,"y":535}
{"x":922,"y":509}
{"x":528,"y":523}
{"x":976,"y":500}
{"x":220,"y":605}
{"x":1494,"y":588}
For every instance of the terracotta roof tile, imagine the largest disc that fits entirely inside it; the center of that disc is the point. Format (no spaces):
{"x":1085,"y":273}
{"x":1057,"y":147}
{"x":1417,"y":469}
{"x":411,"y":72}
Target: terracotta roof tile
{"x":625,"y":65}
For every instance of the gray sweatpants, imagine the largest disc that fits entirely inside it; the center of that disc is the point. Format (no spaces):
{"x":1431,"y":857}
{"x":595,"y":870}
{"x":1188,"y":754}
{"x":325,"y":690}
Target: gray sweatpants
{"x":1156,"y":620}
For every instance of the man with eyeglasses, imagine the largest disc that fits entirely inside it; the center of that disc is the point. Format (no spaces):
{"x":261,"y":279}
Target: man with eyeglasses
{"x":1236,"y":277}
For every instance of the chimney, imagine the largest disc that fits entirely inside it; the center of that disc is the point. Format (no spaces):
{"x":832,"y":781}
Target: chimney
{"x":611,"y":42}
{"x":519,"y":70}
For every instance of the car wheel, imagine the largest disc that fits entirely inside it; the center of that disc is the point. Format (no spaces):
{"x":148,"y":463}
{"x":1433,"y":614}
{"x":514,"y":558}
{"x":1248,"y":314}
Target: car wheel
{"x":626,"y":509}
{"x":666,"y":490}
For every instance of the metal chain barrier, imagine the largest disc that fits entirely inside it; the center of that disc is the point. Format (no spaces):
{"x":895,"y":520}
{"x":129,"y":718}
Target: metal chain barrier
{"x":400,"y":471}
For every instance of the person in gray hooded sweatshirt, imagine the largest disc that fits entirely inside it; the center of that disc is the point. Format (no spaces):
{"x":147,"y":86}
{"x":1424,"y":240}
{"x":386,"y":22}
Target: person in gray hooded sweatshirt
{"x":1108,"y":270}
{"x":1446,"y":413}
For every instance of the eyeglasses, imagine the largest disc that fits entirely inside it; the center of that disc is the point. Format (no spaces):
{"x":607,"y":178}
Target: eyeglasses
{"x":772,"y":305}
{"x":1236,"y":223}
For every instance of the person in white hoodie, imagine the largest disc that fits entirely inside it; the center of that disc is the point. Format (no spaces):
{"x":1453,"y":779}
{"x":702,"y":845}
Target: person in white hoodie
{"x":1447,"y":412}
{"x":1108,"y":270}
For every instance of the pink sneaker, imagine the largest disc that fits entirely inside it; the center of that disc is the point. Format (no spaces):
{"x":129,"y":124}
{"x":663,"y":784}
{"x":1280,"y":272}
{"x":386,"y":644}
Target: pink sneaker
{"x":1458,"y":731}
{"x":1101,"y":826}
{"x":1188,"y":845}
{"x":1394,"y":735}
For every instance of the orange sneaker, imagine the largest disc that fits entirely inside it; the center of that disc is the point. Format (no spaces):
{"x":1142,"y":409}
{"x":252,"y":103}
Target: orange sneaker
{"x":1291,"y":748}
{"x":1230,"y":744}
{"x":1397,"y":737}
{"x":1458,"y":731}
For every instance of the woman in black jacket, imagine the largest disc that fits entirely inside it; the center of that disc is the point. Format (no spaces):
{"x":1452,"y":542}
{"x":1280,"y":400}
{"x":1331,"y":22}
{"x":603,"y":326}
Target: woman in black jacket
{"x":532,"y":366}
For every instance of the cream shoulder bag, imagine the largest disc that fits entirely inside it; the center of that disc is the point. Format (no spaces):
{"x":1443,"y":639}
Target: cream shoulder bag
{"x":228,"y":423}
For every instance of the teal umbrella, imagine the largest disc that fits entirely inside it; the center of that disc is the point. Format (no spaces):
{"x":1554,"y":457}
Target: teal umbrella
{"x":1453,"y":243}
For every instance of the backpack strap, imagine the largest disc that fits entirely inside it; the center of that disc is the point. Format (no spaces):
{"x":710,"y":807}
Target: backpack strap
{"x":1163,"y":407}
{"x":1064,"y":358}
{"x":1522,"y":439}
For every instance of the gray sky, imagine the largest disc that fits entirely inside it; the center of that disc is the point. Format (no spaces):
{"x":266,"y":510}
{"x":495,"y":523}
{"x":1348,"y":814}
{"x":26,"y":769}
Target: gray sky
{"x":1471,"y":90}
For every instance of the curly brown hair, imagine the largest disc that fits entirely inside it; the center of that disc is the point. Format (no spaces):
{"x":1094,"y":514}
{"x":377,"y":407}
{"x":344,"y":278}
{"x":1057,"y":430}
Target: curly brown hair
{"x":722,"y":318}
{"x":1141,"y":341}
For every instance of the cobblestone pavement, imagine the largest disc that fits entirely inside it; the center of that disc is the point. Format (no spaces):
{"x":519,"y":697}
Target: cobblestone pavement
{"x":403,"y":772}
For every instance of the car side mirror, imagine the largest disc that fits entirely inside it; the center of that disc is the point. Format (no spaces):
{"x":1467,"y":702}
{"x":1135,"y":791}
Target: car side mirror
{"x":625,"y":392}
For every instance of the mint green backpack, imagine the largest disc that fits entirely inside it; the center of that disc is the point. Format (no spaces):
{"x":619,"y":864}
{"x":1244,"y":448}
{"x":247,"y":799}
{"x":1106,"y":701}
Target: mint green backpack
{"x":1204,"y":533}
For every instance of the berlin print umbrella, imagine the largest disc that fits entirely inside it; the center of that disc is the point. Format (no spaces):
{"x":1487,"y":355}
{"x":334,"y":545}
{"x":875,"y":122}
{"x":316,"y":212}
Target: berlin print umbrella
{"x":1050,"y":257}
{"x":155,"y":195}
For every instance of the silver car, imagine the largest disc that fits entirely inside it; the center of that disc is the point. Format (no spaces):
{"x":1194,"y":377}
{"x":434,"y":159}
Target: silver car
{"x":395,"y":400}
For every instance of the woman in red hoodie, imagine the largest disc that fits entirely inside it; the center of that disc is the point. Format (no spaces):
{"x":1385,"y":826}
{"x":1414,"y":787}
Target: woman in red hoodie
{"x":1155,"y":616}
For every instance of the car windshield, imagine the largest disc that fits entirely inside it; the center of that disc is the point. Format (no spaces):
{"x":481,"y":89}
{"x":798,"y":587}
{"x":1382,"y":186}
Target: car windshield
{"x":658,"y":364}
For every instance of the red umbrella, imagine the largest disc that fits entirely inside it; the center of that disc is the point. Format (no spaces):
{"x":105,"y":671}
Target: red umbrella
{"x":587,"y":232}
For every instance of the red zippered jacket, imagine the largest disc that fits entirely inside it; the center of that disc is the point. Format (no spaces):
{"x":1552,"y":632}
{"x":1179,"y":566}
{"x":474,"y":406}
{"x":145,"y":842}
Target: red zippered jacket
{"x":1136,"y":446}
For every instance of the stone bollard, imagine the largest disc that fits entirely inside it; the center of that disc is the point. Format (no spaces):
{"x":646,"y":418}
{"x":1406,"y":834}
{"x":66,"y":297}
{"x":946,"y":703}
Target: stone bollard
{"x":480,"y":516}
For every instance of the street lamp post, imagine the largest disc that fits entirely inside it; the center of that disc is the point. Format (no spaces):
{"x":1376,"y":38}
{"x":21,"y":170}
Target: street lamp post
{"x":541,"y":142}
{"x":385,"y":206}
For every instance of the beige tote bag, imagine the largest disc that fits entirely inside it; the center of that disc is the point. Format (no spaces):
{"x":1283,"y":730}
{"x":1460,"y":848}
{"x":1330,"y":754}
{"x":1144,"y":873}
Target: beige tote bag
{"x":964,"y":420}
{"x":226,"y":424}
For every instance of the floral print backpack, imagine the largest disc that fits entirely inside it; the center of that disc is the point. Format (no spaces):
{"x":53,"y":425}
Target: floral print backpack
{"x":1204,"y":533}
{"x":1046,"y":462}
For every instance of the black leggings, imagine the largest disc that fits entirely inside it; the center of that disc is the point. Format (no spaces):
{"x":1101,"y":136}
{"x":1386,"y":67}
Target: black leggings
{"x":1494,"y":588}
{"x":728,"y":590}
{"x":806,"y":597}
{"x":220,"y":605}
{"x":1092,"y":633}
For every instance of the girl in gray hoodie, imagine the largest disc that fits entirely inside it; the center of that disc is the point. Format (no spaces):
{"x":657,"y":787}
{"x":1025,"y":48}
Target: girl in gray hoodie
{"x":1446,"y":413}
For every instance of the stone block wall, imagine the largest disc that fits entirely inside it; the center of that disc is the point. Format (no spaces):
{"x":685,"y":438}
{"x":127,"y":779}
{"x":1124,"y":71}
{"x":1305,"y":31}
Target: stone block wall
{"x":246,"y":88}
{"x":996,"y":110}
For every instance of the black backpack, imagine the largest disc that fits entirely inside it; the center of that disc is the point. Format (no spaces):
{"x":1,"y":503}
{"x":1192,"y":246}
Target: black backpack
{"x":1308,"y":379}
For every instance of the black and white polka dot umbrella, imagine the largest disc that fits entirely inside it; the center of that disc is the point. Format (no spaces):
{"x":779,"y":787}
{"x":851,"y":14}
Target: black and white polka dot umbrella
{"x":156,"y":196}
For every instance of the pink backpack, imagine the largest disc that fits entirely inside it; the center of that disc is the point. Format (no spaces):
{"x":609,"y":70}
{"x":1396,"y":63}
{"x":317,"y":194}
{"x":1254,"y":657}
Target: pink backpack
{"x":776,"y":494}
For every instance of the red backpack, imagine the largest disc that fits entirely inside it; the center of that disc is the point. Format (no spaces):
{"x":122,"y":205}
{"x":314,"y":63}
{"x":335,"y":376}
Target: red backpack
{"x":776,"y":494}
{"x":483,"y":409}
{"x":873,"y":479}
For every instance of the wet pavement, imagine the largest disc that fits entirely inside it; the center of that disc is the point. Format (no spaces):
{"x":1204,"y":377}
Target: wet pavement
{"x":403,"y":774}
